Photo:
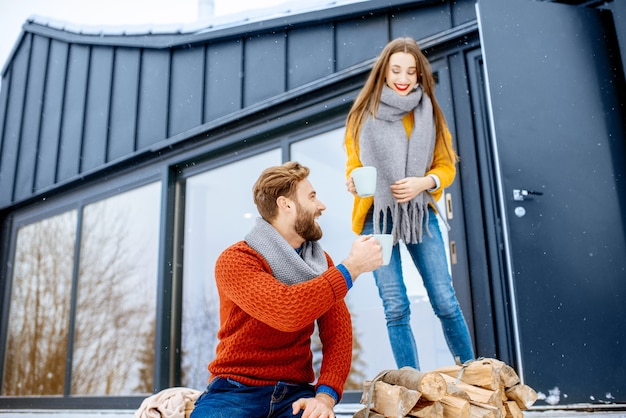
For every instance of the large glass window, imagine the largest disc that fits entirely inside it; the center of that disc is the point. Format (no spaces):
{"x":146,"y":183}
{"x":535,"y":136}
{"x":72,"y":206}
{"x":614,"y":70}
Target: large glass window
{"x":219,"y":211}
{"x":116,"y":303}
{"x":36,"y":349}
{"x":85,"y":328}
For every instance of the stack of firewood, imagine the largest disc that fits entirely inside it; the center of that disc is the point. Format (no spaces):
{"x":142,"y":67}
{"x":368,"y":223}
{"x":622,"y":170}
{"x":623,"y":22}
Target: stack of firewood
{"x":483,"y":388}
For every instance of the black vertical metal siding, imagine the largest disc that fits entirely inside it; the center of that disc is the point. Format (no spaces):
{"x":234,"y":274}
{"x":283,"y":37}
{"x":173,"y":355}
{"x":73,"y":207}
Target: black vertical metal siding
{"x":154,"y":91}
{"x":27,"y":155}
{"x":360,"y":39}
{"x":76,"y":103}
{"x":98,"y":102}
{"x":4,"y":96}
{"x":421,"y":23}
{"x":45,"y":172}
{"x":12,"y":133}
{"x":73,"y":113}
{"x":124,"y":102}
{"x":224,"y":72}
{"x":187,"y":89}
{"x":264,"y":67}
{"x":310,"y":54}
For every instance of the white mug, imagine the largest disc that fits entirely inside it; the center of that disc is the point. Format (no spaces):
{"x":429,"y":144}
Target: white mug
{"x":364,"y":180}
{"x":386,"y":241}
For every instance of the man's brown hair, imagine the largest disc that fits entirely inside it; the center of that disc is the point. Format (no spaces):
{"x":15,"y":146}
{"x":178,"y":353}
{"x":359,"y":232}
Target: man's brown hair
{"x":274,"y":182}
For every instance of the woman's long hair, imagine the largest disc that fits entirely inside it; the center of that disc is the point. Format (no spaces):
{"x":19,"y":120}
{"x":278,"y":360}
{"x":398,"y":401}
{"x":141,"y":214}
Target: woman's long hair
{"x":366,"y":103}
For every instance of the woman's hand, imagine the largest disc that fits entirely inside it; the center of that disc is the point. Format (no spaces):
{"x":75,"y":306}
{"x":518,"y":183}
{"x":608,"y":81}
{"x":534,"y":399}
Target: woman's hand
{"x":407,"y":188}
{"x":350,"y":186}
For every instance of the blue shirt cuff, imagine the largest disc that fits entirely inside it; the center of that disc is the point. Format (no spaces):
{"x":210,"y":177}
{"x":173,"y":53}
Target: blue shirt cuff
{"x":328,"y":391}
{"x":437,"y":182}
{"x":346,"y":275}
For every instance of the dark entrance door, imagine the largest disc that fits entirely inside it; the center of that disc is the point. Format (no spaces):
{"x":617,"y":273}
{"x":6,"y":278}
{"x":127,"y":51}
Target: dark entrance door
{"x":558,"y":136}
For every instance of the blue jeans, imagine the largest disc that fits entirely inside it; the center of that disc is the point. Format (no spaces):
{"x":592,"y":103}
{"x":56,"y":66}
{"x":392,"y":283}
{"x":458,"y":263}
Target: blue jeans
{"x":230,"y":399}
{"x":430,"y":259}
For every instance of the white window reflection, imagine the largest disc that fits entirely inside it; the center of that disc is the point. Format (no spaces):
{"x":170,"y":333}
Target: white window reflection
{"x":219,"y":211}
{"x":36,"y":350}
{"x":115,"y":320}
{"x":112,"y":351}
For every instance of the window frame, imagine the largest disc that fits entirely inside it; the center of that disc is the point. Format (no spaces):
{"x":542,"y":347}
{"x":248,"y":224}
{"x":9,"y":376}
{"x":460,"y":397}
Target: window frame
{"x":48,"y":207}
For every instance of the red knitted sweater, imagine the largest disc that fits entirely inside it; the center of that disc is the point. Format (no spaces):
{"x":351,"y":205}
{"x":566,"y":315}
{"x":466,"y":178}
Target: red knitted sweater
{"x":266,"y":325}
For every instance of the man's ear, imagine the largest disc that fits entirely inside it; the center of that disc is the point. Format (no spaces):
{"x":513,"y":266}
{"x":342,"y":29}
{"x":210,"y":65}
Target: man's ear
{"x":284,"y":203}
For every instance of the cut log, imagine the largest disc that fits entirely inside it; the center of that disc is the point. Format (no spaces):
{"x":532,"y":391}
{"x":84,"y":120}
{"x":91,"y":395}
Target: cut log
{"x":492,"y":411}
{"x":454,"y":407}
{"x":453,"y":390}
{"x":427,"y":409}
{"x":430,"y":384}
{"x":513,"y":410}
{"x":372,"y":414}
{"x":477,"y":394}
{"x":480,"y":412}
{"x":488,"y":373}
{"x":390,"y":400}
{"x":524,"y":395}
{"x":508,"y":376}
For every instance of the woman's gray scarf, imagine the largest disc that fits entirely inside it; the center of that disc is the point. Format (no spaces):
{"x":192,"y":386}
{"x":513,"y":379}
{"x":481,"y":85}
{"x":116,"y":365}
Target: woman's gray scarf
{"x":287,"y":265}
{"x":384,"y":144}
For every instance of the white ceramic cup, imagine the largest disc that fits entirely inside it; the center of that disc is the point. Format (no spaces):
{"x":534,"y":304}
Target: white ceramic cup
{"x":386,"y":241}
{"x":364,"y":180}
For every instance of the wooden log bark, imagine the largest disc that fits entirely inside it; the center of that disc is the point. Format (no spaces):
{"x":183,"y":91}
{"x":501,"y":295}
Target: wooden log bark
{"x":430,"y":384}
{"x":508,"y":376}
{"x":372,"y":414}
{"x":480,"y":412}
{"x":454,"y":407}
{"x":390,"y":400}
{"x":524,"y":395}
{"x":488,"y":373}
{"x":427,"y":409}
{"x":492,"y":411}
{"x":512,"y":410}
{"x":453,"y":390}
{"x":477,"y":394}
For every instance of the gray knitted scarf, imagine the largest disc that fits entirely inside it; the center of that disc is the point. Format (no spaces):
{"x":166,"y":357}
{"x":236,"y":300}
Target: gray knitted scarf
{"x":384,"y":144}
{"x":288,"y":266}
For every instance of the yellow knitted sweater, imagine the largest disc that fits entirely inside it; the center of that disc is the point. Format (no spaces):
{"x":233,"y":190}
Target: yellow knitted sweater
{"x":442,"y":166}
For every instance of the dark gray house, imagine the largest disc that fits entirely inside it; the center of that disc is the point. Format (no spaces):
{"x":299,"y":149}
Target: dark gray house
{"x":127,"y":159}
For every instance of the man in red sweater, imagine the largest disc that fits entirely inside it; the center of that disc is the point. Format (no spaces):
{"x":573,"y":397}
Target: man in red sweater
{"x":273,"y":287}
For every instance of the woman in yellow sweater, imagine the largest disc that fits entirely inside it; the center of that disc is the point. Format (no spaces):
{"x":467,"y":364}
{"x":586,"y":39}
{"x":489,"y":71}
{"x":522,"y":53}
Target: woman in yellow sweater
{"x":396,"y":125}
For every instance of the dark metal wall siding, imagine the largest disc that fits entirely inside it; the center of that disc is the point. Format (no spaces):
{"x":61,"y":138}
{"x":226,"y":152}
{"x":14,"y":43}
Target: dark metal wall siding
{"x":224,"y":90}
{"x":310,"y":54}
{"x":97,"y":119}
{"x":360,"y":39}
{"x":154,"y":92}
{"x":74,"y":106}
{"x":124,"y":102}
{"x":11,"y":135}
{"x":264,"y":67}
{"x":27,"y":156}
{"x":187,"y":89}
{"x":45,"y":172}
{"x":421,"y":23}
{"x":4,"y":96}
{"x":74,"y":112}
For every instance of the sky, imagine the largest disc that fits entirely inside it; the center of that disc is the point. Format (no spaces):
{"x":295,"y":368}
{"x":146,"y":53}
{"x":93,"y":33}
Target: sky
{"x":13,"y":13}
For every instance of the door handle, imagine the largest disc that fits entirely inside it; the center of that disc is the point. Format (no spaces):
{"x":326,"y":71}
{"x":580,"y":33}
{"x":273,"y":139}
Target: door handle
{"x":521,"y":194}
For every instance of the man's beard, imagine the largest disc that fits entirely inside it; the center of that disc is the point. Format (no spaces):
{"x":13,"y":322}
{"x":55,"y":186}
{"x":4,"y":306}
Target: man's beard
{"x":306,"y":226}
